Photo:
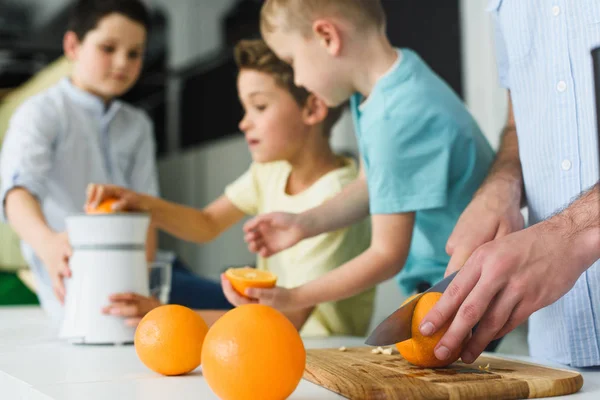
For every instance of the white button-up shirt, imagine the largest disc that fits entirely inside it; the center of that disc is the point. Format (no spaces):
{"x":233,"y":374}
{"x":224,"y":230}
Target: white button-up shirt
{"x":65,"y":138}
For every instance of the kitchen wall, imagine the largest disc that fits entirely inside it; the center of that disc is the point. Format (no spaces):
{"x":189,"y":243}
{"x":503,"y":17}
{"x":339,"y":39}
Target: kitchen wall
{"x":483,"y":94}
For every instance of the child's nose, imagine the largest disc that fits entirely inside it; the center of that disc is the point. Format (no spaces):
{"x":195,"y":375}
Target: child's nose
{"x":244,"y":124}
{"x":120,"y":60}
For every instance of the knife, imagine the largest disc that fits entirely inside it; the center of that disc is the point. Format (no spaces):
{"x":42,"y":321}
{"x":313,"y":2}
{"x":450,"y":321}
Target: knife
{"x":398,"y":326}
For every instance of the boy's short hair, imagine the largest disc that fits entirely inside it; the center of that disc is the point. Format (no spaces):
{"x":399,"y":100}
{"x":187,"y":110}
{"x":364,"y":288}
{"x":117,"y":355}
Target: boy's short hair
{"x":86,"y":14}
{"x":257,"y":56}
{"x":299,"y":14}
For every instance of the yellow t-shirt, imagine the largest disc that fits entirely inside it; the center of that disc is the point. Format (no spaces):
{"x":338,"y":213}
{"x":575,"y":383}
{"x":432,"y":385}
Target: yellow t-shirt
{"x":262,"y":190}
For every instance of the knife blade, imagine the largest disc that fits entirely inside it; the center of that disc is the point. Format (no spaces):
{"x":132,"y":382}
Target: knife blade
{"x":398,"y":326}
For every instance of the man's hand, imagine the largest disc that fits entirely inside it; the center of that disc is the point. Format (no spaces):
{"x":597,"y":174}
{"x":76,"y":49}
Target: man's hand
{"x":492,"y":214}
{"x":495,"y":211}
{"x":55,"y":254}
{"x":132,"y":306}
{"x":128,"y":200}
{"x":271,"y":233}
{"x":502,"y":284}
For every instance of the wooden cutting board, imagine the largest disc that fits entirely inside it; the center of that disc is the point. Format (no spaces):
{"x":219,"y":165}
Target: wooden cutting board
{"x":358,"y":374}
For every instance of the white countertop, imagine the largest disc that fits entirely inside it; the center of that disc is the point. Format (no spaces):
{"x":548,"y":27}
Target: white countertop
{"x":34,"y":364}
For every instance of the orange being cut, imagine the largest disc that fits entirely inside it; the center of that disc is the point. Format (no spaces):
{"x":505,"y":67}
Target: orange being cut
{"x":246,"y":277}
{"x":169,"y":339}
{"x":105,"y":207}
{"x":418,"y":350}
{"x":253,"y":352}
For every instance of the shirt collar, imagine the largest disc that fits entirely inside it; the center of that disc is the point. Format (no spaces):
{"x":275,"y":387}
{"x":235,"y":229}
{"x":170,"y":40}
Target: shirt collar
{"x":398,"y":72}
{"x":89,"y":101}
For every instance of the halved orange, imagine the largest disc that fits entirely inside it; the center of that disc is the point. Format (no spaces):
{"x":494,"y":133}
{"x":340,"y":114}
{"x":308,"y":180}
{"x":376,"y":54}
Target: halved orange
{"x":418,"y":350}
{"x":105,"y":207}
{"x":246,"y":277}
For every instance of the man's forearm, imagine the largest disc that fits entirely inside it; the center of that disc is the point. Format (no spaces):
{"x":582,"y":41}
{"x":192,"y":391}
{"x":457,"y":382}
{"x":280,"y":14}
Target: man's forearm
{"x":504,"y":183}
{"x":580,"y":223}
{"x":348,"y":207}
{"x":505,"y":178}
{"x":26,"y":218}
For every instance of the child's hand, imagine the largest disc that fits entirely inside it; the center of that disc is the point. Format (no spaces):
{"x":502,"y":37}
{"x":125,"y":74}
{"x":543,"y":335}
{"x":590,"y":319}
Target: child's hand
{"x":277,"y":297}
{"x":271,"y":233}
{"x":132,"y":306}
{"x":128,"y":200}
{"x":231,"y":295}
{"x":55,"y":254}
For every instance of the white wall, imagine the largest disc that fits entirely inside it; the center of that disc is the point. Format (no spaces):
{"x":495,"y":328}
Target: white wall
{"x":483,"y":94}
{"x":194,"y":27}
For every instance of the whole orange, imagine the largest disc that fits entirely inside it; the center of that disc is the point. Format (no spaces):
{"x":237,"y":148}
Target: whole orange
{"x":253,"y":352}
{"x":418,"y":350}
{"x":169,"y":339}
{"x":246,"y":277}
{"x":105,"y":207}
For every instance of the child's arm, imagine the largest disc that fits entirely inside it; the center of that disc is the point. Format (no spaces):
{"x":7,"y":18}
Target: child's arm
{"x":297,"y":317}
{"x":199,"y":226}
{"x":348,"y":207}
{"x":187,"y":223}
{"x":27,"y":157}
{"x":26,"y":218}
{"x":271,"y":233}
{"x":384,"y":258}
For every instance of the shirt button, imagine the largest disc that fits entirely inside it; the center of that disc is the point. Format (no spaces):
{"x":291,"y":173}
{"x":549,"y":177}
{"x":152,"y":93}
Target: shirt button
{"x":565,"y":165}
{"x":555,"y":10}
{"x":561,"y":86}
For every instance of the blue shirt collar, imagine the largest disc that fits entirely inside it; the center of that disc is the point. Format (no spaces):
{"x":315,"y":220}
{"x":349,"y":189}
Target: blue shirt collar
{"x":398,"y":73}
{"x":89,"y":101}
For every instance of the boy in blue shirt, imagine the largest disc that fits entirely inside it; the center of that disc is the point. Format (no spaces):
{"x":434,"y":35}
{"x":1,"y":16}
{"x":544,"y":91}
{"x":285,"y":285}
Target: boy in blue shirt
{"x":423,"y":154}
{"x":77,"y":132}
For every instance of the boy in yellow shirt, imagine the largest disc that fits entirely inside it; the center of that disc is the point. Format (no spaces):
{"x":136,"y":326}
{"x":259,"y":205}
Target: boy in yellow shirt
{"x":294,"y":169}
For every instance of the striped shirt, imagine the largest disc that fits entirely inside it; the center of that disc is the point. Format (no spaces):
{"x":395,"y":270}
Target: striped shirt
{"x":61,"y":140}
{"x":543,"y":54}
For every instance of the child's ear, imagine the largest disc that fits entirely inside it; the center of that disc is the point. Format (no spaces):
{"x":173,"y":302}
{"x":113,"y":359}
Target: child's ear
{"x":328,"y":36}
{"x":315,"y":111}
{"x":71,"y":45}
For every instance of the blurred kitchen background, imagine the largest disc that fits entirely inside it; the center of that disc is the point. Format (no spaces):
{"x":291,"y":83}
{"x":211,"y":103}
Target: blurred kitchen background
{"x":188,"y":87}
